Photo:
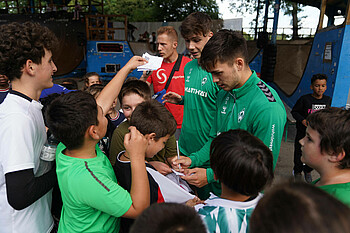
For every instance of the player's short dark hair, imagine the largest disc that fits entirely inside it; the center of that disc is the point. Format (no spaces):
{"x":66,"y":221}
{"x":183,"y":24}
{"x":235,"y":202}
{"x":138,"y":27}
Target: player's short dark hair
{"x":333,"y":126}
{"x":20,"y":42}
{"x":95,"y":90}
{"x":138,"y":87}
{"x":224,"y":46}
{"x":318,"y":77}
{"x":70,"y":84}
{"x":152,"y":117}
{"x":299,"y":207}
{"x":197,"y":23}
{"x":168,"y":218}
{"x":70,"y":115}
{"x":241,"y":161}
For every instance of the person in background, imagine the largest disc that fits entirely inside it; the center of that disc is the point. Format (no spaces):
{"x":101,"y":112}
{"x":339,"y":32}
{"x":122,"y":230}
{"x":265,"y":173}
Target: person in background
{"x":167,"y":43}
{"x":304,"y":106}
{"x":91,"y":78}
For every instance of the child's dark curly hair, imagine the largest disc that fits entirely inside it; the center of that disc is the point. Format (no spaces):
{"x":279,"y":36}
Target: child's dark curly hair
{"x":22,"y":42}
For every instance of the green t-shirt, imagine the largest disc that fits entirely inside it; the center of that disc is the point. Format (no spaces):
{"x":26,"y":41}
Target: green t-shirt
{"x":117,"y":145}
{"x":92,"y":199}
{"x":339,"y":191}
{"x":199,"y":108}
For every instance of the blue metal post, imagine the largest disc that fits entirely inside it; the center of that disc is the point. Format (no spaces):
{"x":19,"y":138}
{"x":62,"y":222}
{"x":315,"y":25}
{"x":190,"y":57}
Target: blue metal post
{"x":275,"y":22}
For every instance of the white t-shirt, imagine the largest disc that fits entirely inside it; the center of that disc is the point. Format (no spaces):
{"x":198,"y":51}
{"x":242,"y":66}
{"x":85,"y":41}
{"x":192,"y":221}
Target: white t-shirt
{"x":22,"y":138}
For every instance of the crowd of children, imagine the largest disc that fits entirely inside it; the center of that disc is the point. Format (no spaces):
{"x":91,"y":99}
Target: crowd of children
{"x":113,"y":167}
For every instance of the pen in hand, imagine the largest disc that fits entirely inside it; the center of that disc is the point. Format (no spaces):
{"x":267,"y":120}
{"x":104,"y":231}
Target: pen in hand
{"x":178,"y":153}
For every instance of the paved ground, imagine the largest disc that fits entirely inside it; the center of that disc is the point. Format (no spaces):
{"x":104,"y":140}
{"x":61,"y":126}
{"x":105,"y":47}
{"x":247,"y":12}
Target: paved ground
{"x":284,"y":165}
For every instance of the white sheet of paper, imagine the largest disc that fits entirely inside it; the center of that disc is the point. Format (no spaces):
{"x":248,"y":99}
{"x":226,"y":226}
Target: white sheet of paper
{"x":178,"y":173}
{"x":171,"y":192}
{"x":154,"y":63}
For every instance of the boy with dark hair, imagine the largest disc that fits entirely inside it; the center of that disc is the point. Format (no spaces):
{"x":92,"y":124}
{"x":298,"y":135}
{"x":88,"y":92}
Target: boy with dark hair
{"x":92,"y":199}
{"x":243,"y":165}
{"x":171,"y":218}
{"x":299,"y":207}
{"x":156,"y":123}
{"x":326,"y":148}
{"x":245,"y":102}
{"x":26,"y":59}
{"x":200,"y":91}
{"x":131,"y":95}
{"x":304,"y":106}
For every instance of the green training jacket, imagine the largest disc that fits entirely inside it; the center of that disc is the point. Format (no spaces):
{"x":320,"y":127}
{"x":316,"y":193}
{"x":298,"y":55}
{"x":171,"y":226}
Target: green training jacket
{"x":255,"y":107}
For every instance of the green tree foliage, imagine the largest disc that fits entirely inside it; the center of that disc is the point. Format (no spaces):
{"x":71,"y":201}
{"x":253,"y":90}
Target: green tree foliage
{"x":287,"y":6}
{"x":160,"y":10}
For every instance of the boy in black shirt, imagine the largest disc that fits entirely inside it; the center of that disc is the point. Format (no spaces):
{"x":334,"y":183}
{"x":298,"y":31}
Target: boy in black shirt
{"x":304,"y":106}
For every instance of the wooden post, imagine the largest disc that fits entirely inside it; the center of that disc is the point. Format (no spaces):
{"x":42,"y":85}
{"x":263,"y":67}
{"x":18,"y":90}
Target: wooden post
{"x":347,"y":21}
{"x":322,"y":12}
{"x":106,"y":27}
{"x":87,"y":27}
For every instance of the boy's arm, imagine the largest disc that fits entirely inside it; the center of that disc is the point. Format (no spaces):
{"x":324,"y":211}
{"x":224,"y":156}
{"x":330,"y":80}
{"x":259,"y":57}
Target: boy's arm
{"x":23,"y":188}
{"x":135,"y":145}
{"x":112,"y":89}
{"x":298,"y":109}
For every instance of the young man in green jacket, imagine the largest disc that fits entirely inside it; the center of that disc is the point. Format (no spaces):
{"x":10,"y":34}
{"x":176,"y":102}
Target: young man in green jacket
{"x":245,"y":102}
{"x":200,"y":91}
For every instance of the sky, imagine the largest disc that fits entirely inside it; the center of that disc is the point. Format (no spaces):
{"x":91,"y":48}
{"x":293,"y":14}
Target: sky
{"x":308,"y":23}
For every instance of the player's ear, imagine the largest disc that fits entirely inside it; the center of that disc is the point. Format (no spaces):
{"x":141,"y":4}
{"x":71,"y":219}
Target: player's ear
{"x":150,"y":137}
{"x":175,"y":44}
{"x":93,"y":132}
{"x":29,"y":67}
{"x":337,"y":157}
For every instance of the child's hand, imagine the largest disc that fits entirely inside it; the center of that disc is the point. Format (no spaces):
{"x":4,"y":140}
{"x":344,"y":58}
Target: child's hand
{"x":134,"y":62}
{"x":194,"y":201}
{"x":162,"y":168}
{"x":145,"y":75}
{"x":172,"y":97}
{"x":184,"y":161}
{"x":135,"y":144}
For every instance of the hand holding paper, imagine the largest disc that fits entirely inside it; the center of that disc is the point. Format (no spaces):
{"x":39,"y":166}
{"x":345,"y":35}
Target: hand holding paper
{"x":154,"y":63}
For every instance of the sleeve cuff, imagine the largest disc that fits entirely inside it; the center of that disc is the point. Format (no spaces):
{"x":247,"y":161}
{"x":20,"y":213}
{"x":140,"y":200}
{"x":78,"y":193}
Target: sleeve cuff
{"x":182,"y":100}
{"x":210,"y":175}
{"x":193,"y":161}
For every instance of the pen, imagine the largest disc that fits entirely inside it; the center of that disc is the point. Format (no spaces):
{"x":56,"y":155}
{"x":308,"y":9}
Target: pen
{"x":178,"y":153}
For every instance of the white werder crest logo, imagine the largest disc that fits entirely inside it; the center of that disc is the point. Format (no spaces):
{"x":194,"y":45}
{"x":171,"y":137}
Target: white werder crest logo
{"x":241,"y":115}
{"x":161,"y":76}
{"x":223,"y":111}
{"x":204,"y":80}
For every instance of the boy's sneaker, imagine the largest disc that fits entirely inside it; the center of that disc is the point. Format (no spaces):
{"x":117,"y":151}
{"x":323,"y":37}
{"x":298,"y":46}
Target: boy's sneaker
{"x":297,"y":177}
{"x":308,"y":177}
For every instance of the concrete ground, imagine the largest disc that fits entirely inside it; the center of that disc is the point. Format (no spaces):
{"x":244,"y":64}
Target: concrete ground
{"x":284,"y":167}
